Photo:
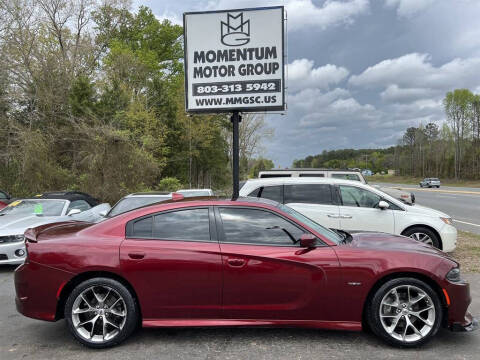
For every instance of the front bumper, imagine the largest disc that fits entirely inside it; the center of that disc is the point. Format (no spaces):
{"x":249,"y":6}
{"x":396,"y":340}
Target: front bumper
{"x":448,"y":234}
{"x":8,"y":255}
{"x":459,"y":319}
{"x":470,"y":327}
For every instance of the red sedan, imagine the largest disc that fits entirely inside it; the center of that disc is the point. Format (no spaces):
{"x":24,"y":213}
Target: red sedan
{"x":235,"y":263}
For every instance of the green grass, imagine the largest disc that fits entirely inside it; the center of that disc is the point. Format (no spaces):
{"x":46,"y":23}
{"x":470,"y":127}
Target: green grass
{"x":416,"y":180}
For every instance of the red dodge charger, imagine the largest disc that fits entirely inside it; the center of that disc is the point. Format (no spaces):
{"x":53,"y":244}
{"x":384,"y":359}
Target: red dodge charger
{"x":235,"y":263}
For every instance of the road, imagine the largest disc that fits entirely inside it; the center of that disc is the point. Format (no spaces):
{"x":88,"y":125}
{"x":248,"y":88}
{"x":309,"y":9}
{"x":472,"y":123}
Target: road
{"x":461,"y":203}
{"x":24,"y":338}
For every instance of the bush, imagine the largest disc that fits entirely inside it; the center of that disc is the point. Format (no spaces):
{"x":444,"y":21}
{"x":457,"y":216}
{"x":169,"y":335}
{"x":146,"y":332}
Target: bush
{"x":169,"y":184}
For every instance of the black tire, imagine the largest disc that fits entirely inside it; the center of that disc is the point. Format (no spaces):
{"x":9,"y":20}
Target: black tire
{"x":373,"y":312}
{"x":131,"y":307}
{"x":421,"y":229}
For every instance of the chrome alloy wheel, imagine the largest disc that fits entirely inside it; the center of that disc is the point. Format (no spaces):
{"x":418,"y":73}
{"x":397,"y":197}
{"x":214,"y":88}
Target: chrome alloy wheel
{"x":407,"y":313}
{"x":99,"y":314}
{"x":422,"y":237}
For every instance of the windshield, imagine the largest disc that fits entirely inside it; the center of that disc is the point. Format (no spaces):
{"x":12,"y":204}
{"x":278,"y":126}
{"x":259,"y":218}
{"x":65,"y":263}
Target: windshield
{"x":329,"y":234}
{"x":34,"y":207}
{"x":130,"y":203}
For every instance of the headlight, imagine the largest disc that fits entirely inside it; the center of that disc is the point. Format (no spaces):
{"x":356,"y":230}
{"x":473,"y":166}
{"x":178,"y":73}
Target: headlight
{"x":447,"y":221}
{"x":12,"y":238}
{"x":454,"y":275}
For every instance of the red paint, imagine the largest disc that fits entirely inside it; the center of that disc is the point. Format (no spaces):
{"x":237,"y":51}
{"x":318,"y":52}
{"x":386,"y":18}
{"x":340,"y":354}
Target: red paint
{"x":185,"y":283}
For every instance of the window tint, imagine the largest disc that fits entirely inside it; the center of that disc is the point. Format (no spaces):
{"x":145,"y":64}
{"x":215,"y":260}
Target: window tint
{"x":81,"y":205}
{"x":308,"y":193}
{"x":353,"y":196}
{"x":254,"y":226}
{"x":190,"y":224}
{"x":273,"y":193}
{"x":346,"y":176}
{"x":254,"y":193}
{"x":312,"y":175}
{"x":3,"y":195}
{"x":143,"y":228}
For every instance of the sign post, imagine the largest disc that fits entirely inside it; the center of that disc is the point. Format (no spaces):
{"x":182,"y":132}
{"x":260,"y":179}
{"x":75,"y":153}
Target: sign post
{"x":234,"y":62}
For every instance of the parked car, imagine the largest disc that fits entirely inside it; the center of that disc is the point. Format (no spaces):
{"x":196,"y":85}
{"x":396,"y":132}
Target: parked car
{"x":430,"y":182}
{"x":195,"y":192}
{"x":347,"y":174}
{"x":46,"y":208}
{"x":4,"y":199}
{"x":136,"y":200}
{"x":353,"y":206}
{"x":250,"y":262}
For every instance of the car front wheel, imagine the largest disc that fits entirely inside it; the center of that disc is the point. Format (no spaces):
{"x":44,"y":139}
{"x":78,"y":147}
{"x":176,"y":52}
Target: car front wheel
{"x":424,"y":235}
{"x":101,"y":312}
{"x":405,"y":312}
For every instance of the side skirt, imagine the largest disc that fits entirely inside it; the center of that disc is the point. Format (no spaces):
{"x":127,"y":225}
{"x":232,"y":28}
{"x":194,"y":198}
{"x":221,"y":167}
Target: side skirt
{"x":330,"y":325}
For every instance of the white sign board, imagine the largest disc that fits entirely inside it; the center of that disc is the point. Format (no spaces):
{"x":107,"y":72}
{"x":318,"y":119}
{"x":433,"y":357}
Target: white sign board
{"x":234,"y":60}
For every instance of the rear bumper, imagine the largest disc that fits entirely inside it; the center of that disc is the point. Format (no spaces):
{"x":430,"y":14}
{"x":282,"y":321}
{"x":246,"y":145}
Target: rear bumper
{"x":37,"y":289}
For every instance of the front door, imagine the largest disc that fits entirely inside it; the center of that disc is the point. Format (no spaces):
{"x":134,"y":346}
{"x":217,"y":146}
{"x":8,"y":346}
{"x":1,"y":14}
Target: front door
{"x":360,"y":211}
{"x":173,"y":261}
{"x":267,"y":275}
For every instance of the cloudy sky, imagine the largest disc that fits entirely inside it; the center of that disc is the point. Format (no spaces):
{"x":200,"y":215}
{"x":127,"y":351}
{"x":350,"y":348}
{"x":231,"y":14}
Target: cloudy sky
{"x":361,"y":71}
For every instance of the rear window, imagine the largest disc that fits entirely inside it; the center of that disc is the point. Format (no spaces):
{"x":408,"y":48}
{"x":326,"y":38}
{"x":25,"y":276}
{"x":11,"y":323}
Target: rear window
{"x":312,"y":175}
{"x":272,"y":192}
{"x":308,"y":193}
{"x":130,"y":203}
{"x":265,"y":176}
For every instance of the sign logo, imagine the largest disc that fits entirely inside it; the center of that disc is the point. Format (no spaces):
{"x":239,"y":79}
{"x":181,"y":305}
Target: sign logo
{"x":235,"y":32}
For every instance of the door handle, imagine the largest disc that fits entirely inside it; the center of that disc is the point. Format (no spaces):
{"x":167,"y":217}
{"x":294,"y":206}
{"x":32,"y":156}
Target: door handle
{"x":333,"y":216}
{"x":346,"y":216}
{"x":236,"y":262}
{"x":136,"y":256}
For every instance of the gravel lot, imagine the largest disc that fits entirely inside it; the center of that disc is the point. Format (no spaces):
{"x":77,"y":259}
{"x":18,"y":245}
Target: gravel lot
{"x":23,"y":338}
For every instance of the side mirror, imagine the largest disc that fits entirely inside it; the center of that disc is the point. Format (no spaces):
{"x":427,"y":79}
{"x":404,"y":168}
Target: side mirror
{"x":308,"y":241}
{"x":74,"y":211}
{"x":103,"y":213}
{"x":383,"y":205}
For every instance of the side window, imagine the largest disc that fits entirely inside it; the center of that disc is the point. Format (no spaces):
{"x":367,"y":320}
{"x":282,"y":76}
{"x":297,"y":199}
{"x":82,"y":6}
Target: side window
{"x":254,"y":193}
{"x":3,"y":196}
{"x":192,"y":224}
{"x":308,"y":193}
{"x":143,"y":228}
{"x":346,"y":176}
{"x":353,"y":196}
{"x":311,"y":175}
{"x":81,"y":205}
{"x":273,"y":193}
{"x":253,"y":226}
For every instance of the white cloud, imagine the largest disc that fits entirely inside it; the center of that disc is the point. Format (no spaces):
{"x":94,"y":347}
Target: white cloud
{"x":305,"y":13}
{"x":408,"y":8}
{"x":170,"y":16}
{"x":417,"y":71}
{"x":303,"y":75}
{"x":393,"y":93}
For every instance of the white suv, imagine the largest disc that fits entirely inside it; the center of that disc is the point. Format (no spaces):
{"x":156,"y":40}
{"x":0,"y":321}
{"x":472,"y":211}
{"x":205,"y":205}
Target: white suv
{"x":353,"y":206}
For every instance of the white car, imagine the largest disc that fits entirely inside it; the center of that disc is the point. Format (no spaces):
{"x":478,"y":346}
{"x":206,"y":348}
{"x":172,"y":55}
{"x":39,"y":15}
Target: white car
{"x":195,"y":192}
{"x":353,"y":206}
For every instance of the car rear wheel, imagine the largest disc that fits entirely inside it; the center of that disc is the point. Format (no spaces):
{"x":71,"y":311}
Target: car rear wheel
{"x":424,"y":235}
{"x":101,"y":312}
{"x":405,"y":312}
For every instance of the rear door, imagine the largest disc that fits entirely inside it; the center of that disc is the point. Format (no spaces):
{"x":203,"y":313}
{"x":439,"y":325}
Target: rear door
{"x":267,"y":275}
{"x":315,"y":201}
{"x":360,"y":211}
{"x":173,"y":261}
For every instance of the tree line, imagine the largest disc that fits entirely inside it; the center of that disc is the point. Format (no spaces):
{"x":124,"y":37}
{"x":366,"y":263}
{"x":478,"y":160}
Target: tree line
{"x":450,"y":151}
{"x":92,"y":98}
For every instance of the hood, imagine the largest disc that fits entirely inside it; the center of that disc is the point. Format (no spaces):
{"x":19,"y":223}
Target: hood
{"x":389,"y":242}
{"x":423,"y":210}
{"x":17,"y":224}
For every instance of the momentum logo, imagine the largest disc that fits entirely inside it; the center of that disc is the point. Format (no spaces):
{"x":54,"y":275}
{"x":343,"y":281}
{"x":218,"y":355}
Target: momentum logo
{"x":235,"y":32}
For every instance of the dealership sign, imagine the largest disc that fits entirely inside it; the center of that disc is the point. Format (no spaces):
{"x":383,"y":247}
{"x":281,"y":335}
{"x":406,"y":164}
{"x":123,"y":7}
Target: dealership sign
{"x":234,"y":60}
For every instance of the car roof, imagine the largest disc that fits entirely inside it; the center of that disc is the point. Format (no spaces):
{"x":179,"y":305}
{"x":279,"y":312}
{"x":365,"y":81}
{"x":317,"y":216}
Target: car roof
{"x":67,"y":195}
{"x":151,"y":193}
{"x":301,"y":180}
{"x":310,"y":169}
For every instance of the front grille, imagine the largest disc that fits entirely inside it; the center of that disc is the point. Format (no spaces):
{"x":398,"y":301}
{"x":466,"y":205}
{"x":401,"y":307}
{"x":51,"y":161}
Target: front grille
{"x":3,"y":257}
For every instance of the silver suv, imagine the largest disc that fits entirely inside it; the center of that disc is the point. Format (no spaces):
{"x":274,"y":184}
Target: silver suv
{"x":430,"y":182}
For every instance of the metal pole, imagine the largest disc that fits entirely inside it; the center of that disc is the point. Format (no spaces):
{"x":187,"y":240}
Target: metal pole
{"x":236,"y":118}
